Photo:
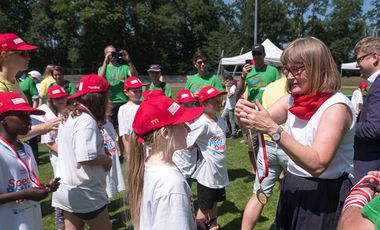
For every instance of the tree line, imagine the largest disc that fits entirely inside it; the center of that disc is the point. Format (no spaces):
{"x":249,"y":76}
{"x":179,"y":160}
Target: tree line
{"x":73,"y":33}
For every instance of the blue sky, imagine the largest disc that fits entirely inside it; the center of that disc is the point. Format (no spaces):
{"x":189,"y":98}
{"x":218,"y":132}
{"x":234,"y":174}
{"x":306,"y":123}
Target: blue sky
{"x":366,"y":6}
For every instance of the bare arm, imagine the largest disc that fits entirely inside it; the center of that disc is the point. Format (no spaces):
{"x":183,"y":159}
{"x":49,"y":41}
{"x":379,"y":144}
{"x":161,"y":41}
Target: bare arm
{"x":316,"y":158}
{"x":241,"y":82}
{"x":42,"y":128}
{"x":52,"y":147}
{"x":106,"y":61}
{"x":126,"y":143}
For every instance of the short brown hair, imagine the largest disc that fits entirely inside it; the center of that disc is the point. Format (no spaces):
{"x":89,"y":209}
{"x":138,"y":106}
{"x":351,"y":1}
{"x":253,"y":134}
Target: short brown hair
{"x":200,"y":54}
{"x":368,"y":45}
{"x":318,"y":62}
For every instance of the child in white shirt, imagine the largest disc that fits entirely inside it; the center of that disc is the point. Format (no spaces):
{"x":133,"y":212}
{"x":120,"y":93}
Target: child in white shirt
{"x":159,"y":196}
{"x":208,"y":133}
{"x":186,"y":159}
{"x":20,"y":188}
{"x":127,"y":112}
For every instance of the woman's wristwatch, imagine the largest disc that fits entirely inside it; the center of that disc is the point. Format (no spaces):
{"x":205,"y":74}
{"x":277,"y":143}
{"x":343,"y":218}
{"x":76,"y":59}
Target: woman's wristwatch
{"x":276,"y":136}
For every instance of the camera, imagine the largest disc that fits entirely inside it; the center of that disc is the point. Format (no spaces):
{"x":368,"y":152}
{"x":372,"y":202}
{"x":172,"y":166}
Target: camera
{"x":210,"y":224}
{"x":116,"y":54}
{"x":248,"y":61}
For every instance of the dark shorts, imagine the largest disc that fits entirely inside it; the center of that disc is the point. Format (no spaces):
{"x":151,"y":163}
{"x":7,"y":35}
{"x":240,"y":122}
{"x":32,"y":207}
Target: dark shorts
{"x":89,"y":215}
{"x":208,"y":196}
{"x":112,"y":117}
{"x":311,"y":203}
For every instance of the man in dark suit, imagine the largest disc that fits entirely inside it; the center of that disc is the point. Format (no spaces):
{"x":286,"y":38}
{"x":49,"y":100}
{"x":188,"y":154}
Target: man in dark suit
{"x":367,"y":136}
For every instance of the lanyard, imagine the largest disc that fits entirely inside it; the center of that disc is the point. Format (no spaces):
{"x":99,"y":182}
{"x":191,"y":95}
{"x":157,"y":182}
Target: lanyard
{"x":85,"y":109}
{"x":31,"y":174}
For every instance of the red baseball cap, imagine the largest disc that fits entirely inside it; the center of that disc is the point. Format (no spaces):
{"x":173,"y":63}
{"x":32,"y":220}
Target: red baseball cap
{"x":363,"y":85}
{"x":12,"y":101}
{"x":10,"y":42}
{"x":91,"y":83}
{"x":208,"y":92}
{"x":57,"y":91}
{"x":158,"y":111}
{"x":132,"y":83}
{"x":184,"y":96}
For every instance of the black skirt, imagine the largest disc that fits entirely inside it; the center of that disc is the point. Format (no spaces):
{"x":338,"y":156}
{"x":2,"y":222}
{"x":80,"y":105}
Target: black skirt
{"x":311,"y":203}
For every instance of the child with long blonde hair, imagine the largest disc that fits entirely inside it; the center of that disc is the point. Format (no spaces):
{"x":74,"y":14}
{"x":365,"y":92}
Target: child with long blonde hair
{"x":158,"y":194}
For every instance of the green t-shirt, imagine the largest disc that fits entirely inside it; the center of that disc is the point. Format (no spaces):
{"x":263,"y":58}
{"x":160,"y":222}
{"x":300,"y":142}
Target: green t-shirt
{"x":115,"y":76}
{"x":28,"y":87}
{"x":257,"y":80}
{"x":196,"y":82}
{"x":167,"y":88}
{"x":372,"y":211}
{"x":68,"y":86}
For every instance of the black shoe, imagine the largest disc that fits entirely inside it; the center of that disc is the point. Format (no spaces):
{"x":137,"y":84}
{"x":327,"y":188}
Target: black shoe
{"x":250,"y":178}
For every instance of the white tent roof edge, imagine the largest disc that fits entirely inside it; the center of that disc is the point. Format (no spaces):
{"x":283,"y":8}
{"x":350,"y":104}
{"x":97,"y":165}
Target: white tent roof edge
{"x":273,"y":54}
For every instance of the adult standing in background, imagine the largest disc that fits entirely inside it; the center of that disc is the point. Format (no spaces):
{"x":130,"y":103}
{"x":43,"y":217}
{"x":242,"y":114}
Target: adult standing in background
{"x":57,"y":73}
{"x":154,"y":72}
{"x":47,"y":81}
{"x":117,"y":66}
{"x":14,"y":57}
{"x":367,"y":136}
{"x":318,"y":137}
{"x":203,"y":78}
{"x":254,"y":79}
{"x":357,"y":97}
{"x":29,"y":89}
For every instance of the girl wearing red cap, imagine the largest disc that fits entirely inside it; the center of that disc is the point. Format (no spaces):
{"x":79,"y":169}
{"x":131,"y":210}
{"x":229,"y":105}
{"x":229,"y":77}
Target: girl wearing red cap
{"x":56,"y":104}
{"x":82,"y":163}
{"x":159,"y":196}
{"x":20,"y":188}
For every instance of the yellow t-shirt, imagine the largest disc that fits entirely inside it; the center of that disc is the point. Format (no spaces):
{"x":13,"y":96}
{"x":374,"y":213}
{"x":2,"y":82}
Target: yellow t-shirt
{"x":7,"y":86}
{"x":272,"y":93}
{"x":45,"y":83}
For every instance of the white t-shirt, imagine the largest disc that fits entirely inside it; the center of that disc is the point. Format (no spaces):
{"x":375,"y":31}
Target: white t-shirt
{"x":304,"y":131}
{"x":51,"y":136}
{"x":211,"y":139}
{"x":357,"y":98}
{"x":231,"y":100}
{"x":115,"y":178}
{"x":186,"y":161}
{"x":125,"y":117}
{"x":167,"y":200}
{"x":14,"y":177}
{"x":83,"y":187}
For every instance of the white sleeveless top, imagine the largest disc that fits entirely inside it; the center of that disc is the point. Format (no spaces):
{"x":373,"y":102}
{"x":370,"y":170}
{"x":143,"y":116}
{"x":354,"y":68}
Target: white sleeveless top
{"x":304,"y":132}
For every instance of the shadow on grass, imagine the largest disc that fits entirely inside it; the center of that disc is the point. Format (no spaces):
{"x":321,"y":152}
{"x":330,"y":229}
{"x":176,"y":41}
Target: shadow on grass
{"x":234,"y":174}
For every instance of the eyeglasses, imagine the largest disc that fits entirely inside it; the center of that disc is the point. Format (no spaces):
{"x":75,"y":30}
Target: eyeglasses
{"x":361,"y":58}
{"x":257,"y":53}
{"x":22,"y":53}
{"x":294,"y":70}
{"x":204,"y":62}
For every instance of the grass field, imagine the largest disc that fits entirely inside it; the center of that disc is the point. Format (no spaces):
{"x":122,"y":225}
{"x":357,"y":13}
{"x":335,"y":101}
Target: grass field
{"x":238,"y":192}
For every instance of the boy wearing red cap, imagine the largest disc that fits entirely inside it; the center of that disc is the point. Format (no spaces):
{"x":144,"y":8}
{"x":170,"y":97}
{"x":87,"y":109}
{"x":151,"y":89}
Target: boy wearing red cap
{"x":20,"y":188}
{"x":186,"y":159}
{"x":357,"y":97}
{"x":126,"y":115}
{"x":208,"y":133}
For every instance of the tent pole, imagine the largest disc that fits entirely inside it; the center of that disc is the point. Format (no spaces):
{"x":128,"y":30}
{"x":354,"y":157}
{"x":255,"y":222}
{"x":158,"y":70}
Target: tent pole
{"x":220,"y":63}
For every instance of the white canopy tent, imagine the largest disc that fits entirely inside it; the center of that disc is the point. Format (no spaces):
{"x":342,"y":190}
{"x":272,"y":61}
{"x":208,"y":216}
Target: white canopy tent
{"x":349,"y":66}
{"x":272,"y":55}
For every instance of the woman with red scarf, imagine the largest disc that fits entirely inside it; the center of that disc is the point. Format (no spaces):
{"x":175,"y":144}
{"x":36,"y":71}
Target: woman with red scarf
{"x":318,"y":137}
